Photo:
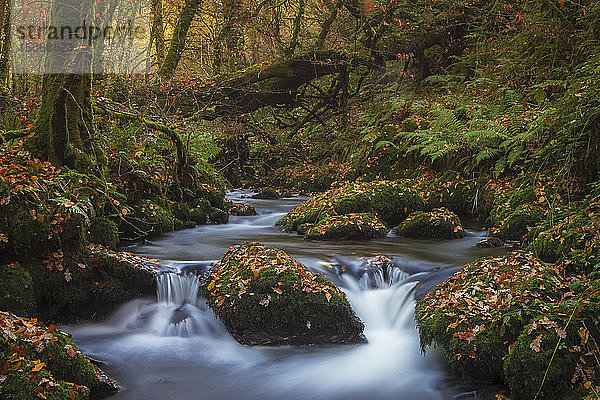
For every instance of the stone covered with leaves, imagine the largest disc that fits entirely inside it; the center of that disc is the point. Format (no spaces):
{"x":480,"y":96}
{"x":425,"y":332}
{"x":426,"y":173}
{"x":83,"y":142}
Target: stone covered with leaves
{"x":241,"y":209}
{"x":265,"y":297}
{"x":38,"y":361}
{"x":362,"y":226}
{"x":380,"y":202}
{"x":517,"y":320}
{"x":440,"y":223}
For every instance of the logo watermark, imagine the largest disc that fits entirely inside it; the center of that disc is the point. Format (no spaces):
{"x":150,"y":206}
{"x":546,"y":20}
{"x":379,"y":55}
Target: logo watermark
{"x":80,"y":36}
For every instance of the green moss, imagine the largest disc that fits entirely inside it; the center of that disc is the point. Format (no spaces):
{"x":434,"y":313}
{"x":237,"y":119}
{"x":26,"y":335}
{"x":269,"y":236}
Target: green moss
{"x":263,"y":296}
{"x":218,"y":216}
{"x":147,"y":219}
{"x":302,"y":229}
{"x":362,"y":226}
{"x":518,"y":222}
{"x":390,"y":201}
{"x":189,"y":224}
{"x":267,"y":193}
{"x":522,"y":196}
{"x":239,"y":209}
{"x":439,"y":223}
{"x":179,"y":224}
{"x":476,"y":314}
{"x":16,"y":290}
{"x":105,"y":232}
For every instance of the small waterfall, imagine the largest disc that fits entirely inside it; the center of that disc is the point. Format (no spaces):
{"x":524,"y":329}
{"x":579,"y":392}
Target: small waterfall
{"x":382,"y":277}
{"x":177,"y":295}
{"x":175,"y":289}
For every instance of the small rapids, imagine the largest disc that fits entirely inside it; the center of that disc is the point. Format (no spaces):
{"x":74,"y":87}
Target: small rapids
{"x":173,"y":347}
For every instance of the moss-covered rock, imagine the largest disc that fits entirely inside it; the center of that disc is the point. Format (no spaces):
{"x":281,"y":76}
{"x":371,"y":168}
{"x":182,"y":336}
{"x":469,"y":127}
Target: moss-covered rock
{"x":302,"y":229}
{"x":105,"y":232}
{"x":517,"y":223}
{"x":218,"y":216}
{"x":390,"y":201}
{"x":363,"y":226}
{"x":267,"y":193}
{"x":198,"y":212}
{"x":264,"y":297}
{"x":189,"y":224}
{"x":16,"y":290}
{"x":147,"y":219}
{"x":569,"y":233}
{"x":440,"y":223}
{"x":241,"y":209}
{"x":42,"y":359}
{"x":476,"y":314}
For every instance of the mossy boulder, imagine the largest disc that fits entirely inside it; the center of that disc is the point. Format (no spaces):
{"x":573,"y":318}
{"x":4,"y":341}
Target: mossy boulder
{"x":362,"y":226}
{"x":147,"y":219}
{"x":570,"y":233}
{"x":390,"y":201}
{"x":105,"y":232}
{"x":16,"y":290}
{"x":70,"y":287}
{"x":218,"y":216}
{"x":265,"y":297}
{"x":517,"y":223}
{"x":267,"y":193}
{"x":198,"y":212}
{"x":241,"y":209}
{"x":440,"y":223}
{"x":476,"y":314}
{"x":38,"y":359}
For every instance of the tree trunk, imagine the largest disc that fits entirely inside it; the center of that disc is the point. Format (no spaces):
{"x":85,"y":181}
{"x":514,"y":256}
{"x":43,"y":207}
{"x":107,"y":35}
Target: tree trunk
{"x":227,"y":41}
{"x":4,"y":44}
{"x":64,"y":130}
{"x":177,"y":44}
{"x":296,"y":32}
{"x":157,"y":35}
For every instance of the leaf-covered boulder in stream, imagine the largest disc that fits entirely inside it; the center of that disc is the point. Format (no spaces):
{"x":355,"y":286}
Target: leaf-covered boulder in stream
{"x":517,"y":320}
{"x":265,"y":297}
{"x":363,"y":226}
{"x":390,"y":201}
{"x":267,"y":193}
{"x":439,"y":223}
{"x":40,"y":361}
{"x":241,"y":209}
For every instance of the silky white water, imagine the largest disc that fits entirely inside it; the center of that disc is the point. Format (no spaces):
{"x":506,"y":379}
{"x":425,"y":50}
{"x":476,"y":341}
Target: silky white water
{"x":172,"y":347}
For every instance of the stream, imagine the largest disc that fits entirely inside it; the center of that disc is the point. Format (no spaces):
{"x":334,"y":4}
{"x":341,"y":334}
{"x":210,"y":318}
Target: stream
{"x":172,"y":347}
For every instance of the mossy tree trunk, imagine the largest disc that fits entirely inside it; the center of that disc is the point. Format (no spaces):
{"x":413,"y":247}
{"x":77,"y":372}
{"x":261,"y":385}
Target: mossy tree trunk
{"x":157,"y":35}
{"x":229,"y":37}
{"x":64,"y":131}
{"x":296,"y":30}
{"x":177,"y":44}
{"x":4,"y":44}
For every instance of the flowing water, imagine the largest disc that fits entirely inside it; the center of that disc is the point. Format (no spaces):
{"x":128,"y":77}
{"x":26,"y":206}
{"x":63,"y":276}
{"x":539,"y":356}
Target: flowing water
{"x":172,"y":347}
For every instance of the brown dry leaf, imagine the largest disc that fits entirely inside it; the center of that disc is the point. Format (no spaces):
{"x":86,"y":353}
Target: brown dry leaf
{"x":584,"y":334}
{"x":277,"y":290}
{"x":70,"y":351}
{"x":536,"y":344}
{"x":308,"y":324}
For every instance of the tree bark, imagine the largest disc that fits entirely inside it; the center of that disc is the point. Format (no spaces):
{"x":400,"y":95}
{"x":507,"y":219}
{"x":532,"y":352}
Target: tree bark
{"x":227,"y":41}
{"x":64,"y":133}
{"x":237,"y":94}
{"x":296,"y":32}
{"x":157,"y":35}
{"x":4,"y":44}
{"x":177,"y":44}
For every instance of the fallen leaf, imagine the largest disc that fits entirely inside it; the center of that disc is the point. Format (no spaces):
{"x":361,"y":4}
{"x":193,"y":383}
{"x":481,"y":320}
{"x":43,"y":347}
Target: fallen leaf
{"x":536,"y":344}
